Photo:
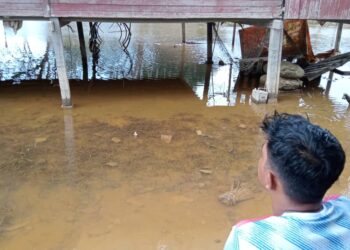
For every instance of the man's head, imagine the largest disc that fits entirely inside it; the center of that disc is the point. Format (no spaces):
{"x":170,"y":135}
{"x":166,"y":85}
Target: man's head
{"x":305,"y":158}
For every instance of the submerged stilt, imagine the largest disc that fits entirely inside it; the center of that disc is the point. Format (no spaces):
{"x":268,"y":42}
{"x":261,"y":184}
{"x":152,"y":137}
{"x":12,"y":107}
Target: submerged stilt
{"x":338,"y":37}
{"x":61,"y":64}
{"x":234,"y":35}
{"x":210,"y":43}
{"x":274,"y":59}
{"x":207,"y":83}
{"x":83,"y":50}
{"x":183,"y":32}
{"x":336,"y":49}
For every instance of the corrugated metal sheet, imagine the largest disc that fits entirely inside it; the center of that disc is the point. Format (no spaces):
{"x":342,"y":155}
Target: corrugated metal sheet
{"x":296,"y":41}
{"x":318,"y":9}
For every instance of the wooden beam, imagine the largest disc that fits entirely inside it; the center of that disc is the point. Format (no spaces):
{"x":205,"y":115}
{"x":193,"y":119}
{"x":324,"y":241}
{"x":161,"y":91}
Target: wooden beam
{"x":274,"y":59}
{"x":57,"y":42}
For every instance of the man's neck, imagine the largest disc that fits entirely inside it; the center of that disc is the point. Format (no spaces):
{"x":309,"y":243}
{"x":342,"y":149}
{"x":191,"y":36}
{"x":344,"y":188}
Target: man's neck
{"x":283,"y":204}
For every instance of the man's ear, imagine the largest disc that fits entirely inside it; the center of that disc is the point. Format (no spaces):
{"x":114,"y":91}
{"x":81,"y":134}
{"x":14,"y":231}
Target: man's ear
{"x":271,"y":180}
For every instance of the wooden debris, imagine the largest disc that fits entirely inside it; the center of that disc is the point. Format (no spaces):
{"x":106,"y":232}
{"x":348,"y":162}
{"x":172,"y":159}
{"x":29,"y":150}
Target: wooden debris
{"x":205,"y":171}
{"x":315,"y":70}
{"x":116,"y":140}
{"x":166,"y":138}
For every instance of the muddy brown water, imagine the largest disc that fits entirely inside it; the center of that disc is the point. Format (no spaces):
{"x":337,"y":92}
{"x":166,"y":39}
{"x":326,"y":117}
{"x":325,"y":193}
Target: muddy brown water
{"x":83,"y":179}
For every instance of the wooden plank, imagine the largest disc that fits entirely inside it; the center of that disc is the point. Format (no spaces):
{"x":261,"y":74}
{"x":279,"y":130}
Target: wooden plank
{"x":167,"y":9}
{"x":5,"y":2}
{"x":193,"y":3}
{"x":142,"y":12}
{"x":142,"y":9}
{"x":24,"y":8}
{"x":159,"y":8}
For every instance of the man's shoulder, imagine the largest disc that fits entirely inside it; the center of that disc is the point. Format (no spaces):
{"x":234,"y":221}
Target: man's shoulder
{"x":275,"y":222}
{"x":340,"y":203}
{"x":261,"y":221}
{"x":338,"y":200}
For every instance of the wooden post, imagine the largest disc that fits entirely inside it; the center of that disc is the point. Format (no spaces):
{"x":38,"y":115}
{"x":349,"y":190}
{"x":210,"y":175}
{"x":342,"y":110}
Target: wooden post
{"x":83,"y":50}
{"x":338,"y":37}
{"x":329,"y":83}
{"x":234,"y":35}
{"x":336,"y":49}
{"x":57,"y":42}
{"x":274,"y":59}
{"x":183,"y":33}
{"x":210,"y":43}
{"x":229,"y":85}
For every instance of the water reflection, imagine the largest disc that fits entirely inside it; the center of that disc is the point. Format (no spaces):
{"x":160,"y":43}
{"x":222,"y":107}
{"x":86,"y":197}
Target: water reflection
{"x":69,"y":140}
{"x":153,"y":53}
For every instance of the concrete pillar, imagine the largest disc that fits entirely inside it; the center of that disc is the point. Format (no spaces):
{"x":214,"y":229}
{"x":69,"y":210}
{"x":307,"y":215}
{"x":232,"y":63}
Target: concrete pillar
{"x":57,"y":42}
{"x":210,"y":43}
{"x":274,"y":58}
{"x":183,"y":33}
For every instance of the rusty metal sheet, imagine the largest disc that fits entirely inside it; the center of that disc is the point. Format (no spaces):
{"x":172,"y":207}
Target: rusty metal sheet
{"x":296,"y":41}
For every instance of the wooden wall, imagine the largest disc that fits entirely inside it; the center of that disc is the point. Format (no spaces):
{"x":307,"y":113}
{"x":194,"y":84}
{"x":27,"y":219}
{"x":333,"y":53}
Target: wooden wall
{"x":23,"y":8}
{"x":147,"y":9}
{"x":178,"y":9}
{"x":318,"y":9}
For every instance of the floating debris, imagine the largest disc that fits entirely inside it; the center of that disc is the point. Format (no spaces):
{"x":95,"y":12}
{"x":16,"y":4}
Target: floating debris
{"x":135,"y":134}
{"x":112,"y":164}
{"x":205,"y":171}
{"x":235,"y":195}
{"x":166,"y":138}
{"x":116,"y":140}
{"x":40,"y":140}
{"x":242,"y":126}
{"x":199,"y":133}
{"x":201,"y":185}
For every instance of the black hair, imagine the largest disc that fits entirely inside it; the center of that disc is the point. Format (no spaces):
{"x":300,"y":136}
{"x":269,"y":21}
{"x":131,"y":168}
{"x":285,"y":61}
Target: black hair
{"x":307,"y":158}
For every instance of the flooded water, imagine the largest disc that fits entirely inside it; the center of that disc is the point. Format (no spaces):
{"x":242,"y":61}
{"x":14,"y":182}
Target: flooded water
{"x":139,"y":164}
